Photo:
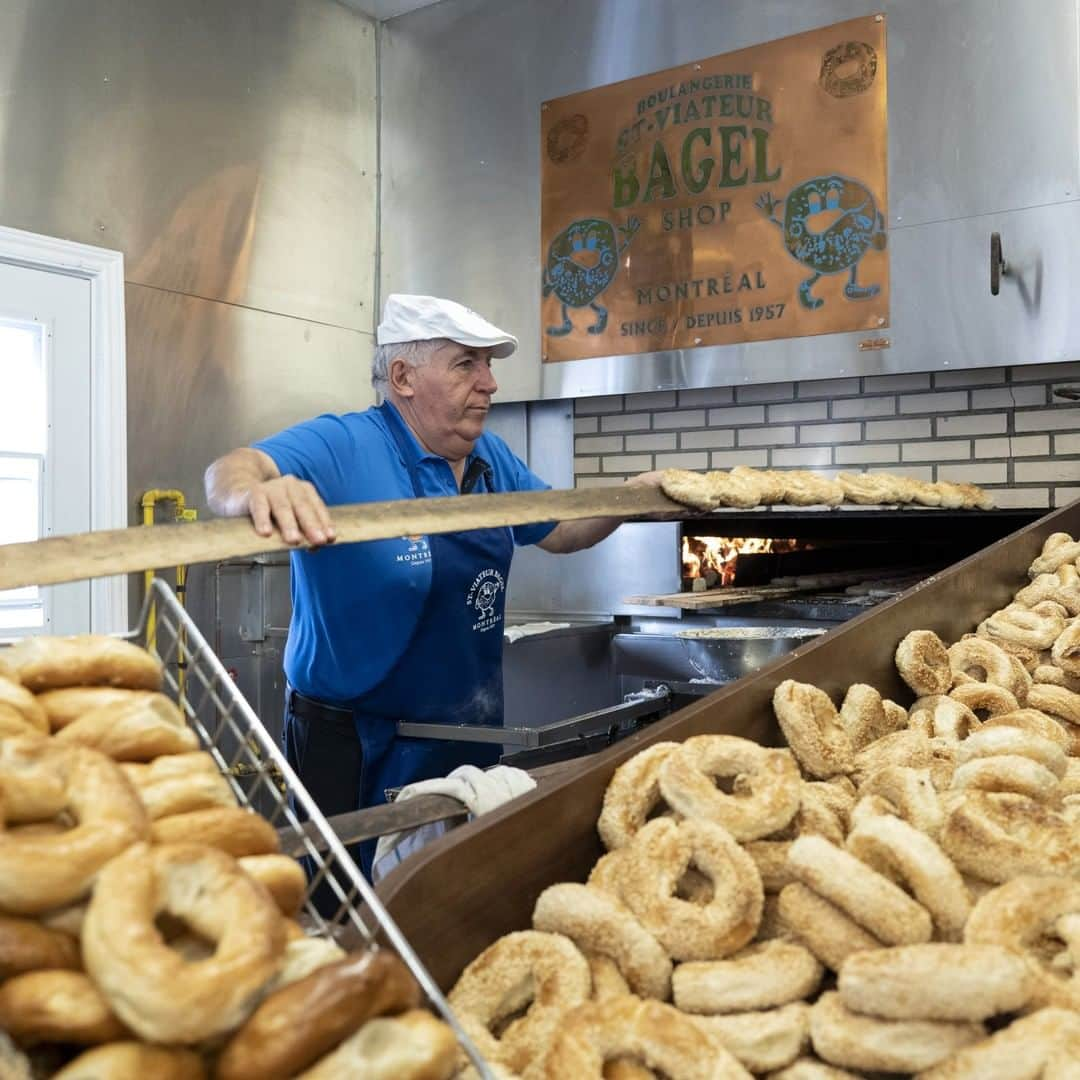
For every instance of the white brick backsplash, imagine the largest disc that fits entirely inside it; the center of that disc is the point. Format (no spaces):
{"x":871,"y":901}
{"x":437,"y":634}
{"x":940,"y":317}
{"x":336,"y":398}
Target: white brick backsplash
{"x":973,"y":424}
{"x":1047,"y":419}
{"x":687,"y":418}
{"x":898,"y":429}
{"x":766,"y":392}
{"x":706,"y":440}
{"x":1045,"y":372}
{"x":827,"y":388}
{"x":749,"y":414}
{"x":728,"y":459}
{"x":657,"y":399}
{"x":810,"y":458}
{"x":598,"y":481}
{"x":1021,"y":498}
{"x":867,"y":406}
{"x":598,"y":444}
{"x":990,"y":426}
{"x":628,"y":463}
{"x":1008,"y":397}
{"x":682,"y":461}
{"x":829,"y":433}
{"x":1015,"y":446}
{"x":664,"y":441}
{"x":916,"y":472}
{"x":986,"y":472}
{"x":712,"y":395}
{"x":951,"y":401}
{"x":806,"y":410}
{"x":626,"y":422}
{"x":607,"y":404}
{"x":1046,"y":472}
{"x":880,"y":384}
{"x":944,"y":380}
{"x":767,"y":436}
{"x":868,"y":454}
{"x":948,"y":450}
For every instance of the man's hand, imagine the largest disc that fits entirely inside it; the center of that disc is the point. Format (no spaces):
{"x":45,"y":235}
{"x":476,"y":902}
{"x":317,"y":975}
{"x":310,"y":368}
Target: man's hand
{"x":246,"y":483}
{"x":295,"y":507}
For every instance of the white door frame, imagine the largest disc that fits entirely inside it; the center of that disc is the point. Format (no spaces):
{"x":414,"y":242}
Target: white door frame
{"x":104,"y":270}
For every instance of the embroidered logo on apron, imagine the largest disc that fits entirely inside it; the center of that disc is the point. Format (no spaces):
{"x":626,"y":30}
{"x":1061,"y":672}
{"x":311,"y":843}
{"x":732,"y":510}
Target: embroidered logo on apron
{"x":483,"y":598}
{"x":417,"y":550}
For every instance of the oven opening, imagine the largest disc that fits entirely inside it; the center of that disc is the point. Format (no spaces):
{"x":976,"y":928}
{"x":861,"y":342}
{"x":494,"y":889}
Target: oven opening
{"x":717,"y":561}
{"x":719,"y":555}
{"x":720,"y":562}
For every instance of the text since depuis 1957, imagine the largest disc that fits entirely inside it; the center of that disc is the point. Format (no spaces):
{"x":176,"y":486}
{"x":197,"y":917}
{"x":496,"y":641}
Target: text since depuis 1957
{"x":730,"y":316}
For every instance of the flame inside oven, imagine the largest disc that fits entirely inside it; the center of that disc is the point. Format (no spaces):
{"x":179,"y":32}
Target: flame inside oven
{"x":716,"y":556}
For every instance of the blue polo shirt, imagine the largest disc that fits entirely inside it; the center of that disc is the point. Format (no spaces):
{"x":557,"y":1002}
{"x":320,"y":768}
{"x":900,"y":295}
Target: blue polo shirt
{"x":356,"y":606}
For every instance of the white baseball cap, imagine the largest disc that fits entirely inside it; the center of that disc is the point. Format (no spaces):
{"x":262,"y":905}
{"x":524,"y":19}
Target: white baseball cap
{"x":421,"y":318}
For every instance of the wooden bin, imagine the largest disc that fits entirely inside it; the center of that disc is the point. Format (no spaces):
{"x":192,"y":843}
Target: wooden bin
{"x":480,"y":881}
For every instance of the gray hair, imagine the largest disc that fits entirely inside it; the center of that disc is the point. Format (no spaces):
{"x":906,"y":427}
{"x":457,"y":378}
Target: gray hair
{"x":414,"y":353}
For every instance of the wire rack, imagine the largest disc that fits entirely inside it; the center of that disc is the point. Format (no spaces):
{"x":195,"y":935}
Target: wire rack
{"x":262,"y":779}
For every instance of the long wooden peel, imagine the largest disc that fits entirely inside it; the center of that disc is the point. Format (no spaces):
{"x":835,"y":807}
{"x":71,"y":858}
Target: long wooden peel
{"x":125,"y":551}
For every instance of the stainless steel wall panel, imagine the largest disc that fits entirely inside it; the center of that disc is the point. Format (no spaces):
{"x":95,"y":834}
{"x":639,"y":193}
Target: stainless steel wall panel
{"x":945,"y":315}
{"x":227,"y":149}
{"x":983,"y":113}
{"x":511,"y":424}
{"x":205,"y":377}
{"x":983,"y":107}
{"x":551,"y":441}
{"x":637,"y":559}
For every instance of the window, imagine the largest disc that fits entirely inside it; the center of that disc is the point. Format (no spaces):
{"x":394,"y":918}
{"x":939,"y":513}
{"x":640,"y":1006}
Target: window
{"x":24,"y":436}
{"x":63,"y":436}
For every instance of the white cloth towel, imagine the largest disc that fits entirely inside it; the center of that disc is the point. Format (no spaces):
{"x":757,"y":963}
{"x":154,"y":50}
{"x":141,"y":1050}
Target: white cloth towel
{"x":514,"y":633}
{"x":479,"y":791}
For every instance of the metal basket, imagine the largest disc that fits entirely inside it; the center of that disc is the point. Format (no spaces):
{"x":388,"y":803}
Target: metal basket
{"x":262,"y":779}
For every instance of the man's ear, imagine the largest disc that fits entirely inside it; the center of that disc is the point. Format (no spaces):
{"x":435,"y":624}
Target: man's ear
{"x":401,"y":375}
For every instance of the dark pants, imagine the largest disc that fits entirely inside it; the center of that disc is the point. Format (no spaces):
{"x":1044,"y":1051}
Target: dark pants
{"x":321,"y":744}
{"x":326,"y":750}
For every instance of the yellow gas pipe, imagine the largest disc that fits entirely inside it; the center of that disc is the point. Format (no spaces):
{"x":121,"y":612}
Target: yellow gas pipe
{"x":150,"y":500}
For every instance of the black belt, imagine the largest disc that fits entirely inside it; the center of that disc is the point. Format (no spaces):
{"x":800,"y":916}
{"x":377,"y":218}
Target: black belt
{"x":310,"y":709}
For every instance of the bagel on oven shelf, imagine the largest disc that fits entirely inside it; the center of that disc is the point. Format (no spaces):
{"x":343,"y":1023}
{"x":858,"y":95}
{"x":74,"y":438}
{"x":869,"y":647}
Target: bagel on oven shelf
{"x":746,"y":488}
{"x":148,"y":922}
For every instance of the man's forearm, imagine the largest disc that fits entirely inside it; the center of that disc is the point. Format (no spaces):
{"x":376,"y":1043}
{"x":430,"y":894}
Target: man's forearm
{"x":230,"y":479}
{"x":570,"y":536}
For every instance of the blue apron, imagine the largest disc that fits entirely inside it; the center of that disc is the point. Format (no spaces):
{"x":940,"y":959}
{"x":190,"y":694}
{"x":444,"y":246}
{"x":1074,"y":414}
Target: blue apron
{"x":451,"y":670}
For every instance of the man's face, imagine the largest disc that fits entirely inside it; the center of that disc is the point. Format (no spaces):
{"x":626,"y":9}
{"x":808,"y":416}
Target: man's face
{"x":451,"y":397}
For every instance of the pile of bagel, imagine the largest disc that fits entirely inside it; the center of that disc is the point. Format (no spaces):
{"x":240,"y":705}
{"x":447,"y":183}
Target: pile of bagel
{"x":148,"y":924}
{"x":746,"y":488}
{"x":896,"y":892}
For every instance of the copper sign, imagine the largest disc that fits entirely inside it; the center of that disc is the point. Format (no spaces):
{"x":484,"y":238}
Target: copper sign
{"x":736,"y":199}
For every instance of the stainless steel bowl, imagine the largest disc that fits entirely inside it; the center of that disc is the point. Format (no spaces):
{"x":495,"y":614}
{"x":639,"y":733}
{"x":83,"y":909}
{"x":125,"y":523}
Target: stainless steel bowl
{"x":722,"y":654}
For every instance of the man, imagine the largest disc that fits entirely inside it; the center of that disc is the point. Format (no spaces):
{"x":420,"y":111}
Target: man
{"x":394,"y":630}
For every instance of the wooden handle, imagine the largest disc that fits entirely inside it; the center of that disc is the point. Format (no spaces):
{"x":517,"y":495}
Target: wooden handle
{"x":125,"y":551}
